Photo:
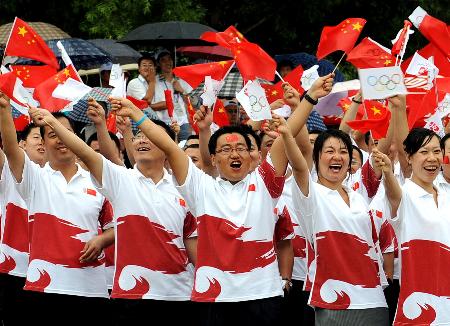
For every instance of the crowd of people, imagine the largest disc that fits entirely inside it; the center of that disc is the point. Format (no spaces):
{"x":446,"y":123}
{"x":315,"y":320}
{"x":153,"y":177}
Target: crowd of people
{"x":256,"y":223}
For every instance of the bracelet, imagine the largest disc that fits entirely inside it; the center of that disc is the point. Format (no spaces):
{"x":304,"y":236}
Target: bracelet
{"x":139,"y":122}
{"x":310,"y":99}
{"x":358,"y":102}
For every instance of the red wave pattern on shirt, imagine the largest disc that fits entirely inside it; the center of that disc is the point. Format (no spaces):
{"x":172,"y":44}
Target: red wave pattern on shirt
{"x":15,"y":234}
{"x":8,"y":264}
{"x":42,"y":282}
{"x":209,"y":295}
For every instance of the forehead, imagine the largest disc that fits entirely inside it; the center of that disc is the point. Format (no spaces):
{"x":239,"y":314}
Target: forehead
{"x":233,"y":138}
{"x":146,"y":62}
{"x":192,"y":151}
{"x":165,"y":58}
{"x":334,"y":142}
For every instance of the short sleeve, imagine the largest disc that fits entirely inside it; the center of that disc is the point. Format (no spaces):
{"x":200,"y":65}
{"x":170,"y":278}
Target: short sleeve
{"x":30,"y":176}
{"x":136,"y":89}
{"x":193,"y":186}
{"x":273,"y":183}
{"x":112,"y":176}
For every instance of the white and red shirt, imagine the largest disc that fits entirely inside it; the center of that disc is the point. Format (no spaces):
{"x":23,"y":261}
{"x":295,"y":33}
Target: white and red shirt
{"x":423,"y":233}
{"x":236,"y":223}
{"x":347,"y":264}
{"x":63,"y":216}
{"x":298,"y":239}
{"x":152,"y":221}
{"x":14,"y":248}
{"x":364,"y":181}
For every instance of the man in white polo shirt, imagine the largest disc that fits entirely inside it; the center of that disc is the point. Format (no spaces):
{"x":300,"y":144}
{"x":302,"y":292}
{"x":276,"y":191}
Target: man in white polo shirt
{"x":155,"y":234}
{"x":236,"y":277}
{"x":65,"y":212}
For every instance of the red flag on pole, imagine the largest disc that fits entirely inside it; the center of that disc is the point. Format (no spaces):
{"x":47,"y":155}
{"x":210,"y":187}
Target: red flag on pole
{"x":11,"y":86}
{"x":400,"y":42}
{"x":378,"y":118}
{"x":191,"y":112}
{"x":195,"y":74}
{"x":275,"y":92}
{"x":370,"y":54}
{"x":31,"y":76}
{"x":25,"y":42}
{"x":169,"y":102}
{"x":220,"y":116}
{"x":341,"y":37}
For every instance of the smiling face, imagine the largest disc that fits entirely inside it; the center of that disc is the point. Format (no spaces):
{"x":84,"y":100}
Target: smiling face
{"x":166,"y":63}
{"x":34,"y":147}
{"x":194,"y":154}
{"x":144,"y":151}
{"x":356,"y":161}
{"x":426,"y":162}
{"x":147,"y":68}
{"x":334,"y":160}
{"x":56,"y":151}
{"x":232,"y":158}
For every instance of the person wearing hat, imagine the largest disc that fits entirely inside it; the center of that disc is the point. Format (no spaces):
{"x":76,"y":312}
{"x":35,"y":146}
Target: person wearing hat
{"x":179,"y":89}
{"x":105,"y":73}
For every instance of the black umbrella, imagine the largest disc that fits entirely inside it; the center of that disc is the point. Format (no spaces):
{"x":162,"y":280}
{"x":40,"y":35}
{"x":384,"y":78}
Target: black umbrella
{"x":168,"y":33}
{"x":120,"y":53}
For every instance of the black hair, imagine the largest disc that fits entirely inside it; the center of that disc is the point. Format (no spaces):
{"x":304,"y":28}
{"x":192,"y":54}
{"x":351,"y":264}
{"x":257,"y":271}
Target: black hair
{"x":163,"y":54}
{"x":58,"y":115}
{"x":331,"y":133}
{"x":94,"y":136}
{"x":212,"y":144}
{"x":147,"y":56}
{"x":367,"y":138}
{"x":249,"y":131}
{"x":191,"y":146}
{"x":417,"y":138}
{"x":168,"y":130}
{"x":315,"y":132}
{"x":192,"y":137}
{"x":443,"y":140}
{"x":26,"y":131}
{"x":356,"y":148}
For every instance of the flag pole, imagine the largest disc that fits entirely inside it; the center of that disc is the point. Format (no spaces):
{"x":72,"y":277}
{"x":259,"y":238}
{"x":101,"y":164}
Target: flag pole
{"x":279,"y":76}
{"x":343,"y":55}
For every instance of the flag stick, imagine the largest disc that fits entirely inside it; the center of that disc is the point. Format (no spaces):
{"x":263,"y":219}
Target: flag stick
{"x":343,"y":55}
{"x":279,"y":76}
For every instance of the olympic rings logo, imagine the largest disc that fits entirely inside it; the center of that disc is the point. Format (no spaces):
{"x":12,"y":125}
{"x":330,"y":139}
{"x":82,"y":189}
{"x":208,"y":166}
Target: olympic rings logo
{"x":257,"y":104}
{"x":384,"y":82}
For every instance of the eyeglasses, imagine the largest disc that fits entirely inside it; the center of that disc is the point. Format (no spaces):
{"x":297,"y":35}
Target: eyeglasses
{"x":139,"y":137}
{"x":227,"y":150}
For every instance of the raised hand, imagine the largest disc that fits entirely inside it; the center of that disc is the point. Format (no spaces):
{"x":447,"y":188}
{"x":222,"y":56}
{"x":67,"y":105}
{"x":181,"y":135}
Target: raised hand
{"x":40,"y":117}
{"x":4,"y":101}
{"x":381,"y":161}
{"x":279,"y":124}
{"x":123,"y":124}
{"x":204,"y":117}
{"x":291,"y":96}
{"x":122,"y":106}
{"x":321,"y":87}
{"x":175,"y":127}
{"x":276,"y":104}
{"x":397,"y":101}
{"x":95,"y":112}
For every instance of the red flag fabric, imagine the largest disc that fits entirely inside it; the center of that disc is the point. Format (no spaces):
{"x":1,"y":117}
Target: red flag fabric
{"x":220,"y":116}
{"x":139,"y":103}
{"x":370,"y":54}
{"x":31,"y":76}
{"x":43,"y":92}
{"x":25,"y":42}
{"x":400,"y":42}
{"x":195,"y":74}
{"x":345,"y":102}
{"x":21,"y":122}
{"x":191,"y":112}
{"x":275,"y":92}
{"x":8,"y":83}
{"x":424,"y":105}
{"x":378,"y":118}
{"x":440,"y":60}
{"x":231,"y":34}
{"x":341,"y":37}
{"x":169,"y":102}
{"x":111,"y":123}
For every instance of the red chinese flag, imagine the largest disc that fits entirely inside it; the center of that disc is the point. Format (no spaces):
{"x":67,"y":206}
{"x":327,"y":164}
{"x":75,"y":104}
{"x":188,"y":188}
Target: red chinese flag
{"x":440,"y":60}
{"x":191,"y":112}
{"x":370,"y":54}
{"x":25,"y":42}
{"x":275,"y":92}
{"x":400,"y":41}
{"x":424,"y":105}
{"x":341,"y":37}
{"x":377,"y":123}
{"x":21,"y":122}
{"x":230,"y":35}
{"x":220,"y":116}
{"x":169,"y":102}
{"x":195,"y":74}
{"x":253,"y":61}
{"x":31,"y":76}
{"x":139,"y":103}
{"x":8,"y":83}
{"x":344,"y":103}
{"x":43,"y":92}
{"x":111,"y":123}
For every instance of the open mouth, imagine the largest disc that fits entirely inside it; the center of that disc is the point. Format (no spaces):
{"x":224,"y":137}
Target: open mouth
{"x":143,"y":149}
{"x":41,"y":150}
{"x":235,"y":165}
{"x":431,"y":169}
{"x":62,"y":149}
{"x":336,"y":167}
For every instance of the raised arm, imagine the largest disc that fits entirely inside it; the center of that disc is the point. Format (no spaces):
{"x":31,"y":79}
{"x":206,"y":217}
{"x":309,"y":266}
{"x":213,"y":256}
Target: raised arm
{"x":401,"y":130}
{"x":124,"y":126}
{"x":204,"y":118}
{"x":178,"y":160}
{"x":15,"y":155}
{"x":91,"y":158}
{"x":350,"y":114}
{"x":301,"y":110}
{"x":392,"y":188}
{"x":96,"y":113}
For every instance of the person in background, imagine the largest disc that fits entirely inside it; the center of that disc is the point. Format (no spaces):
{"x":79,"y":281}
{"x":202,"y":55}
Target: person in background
{"x":105,"y":73}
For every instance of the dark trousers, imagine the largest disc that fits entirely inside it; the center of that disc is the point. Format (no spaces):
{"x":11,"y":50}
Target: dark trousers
{"x":391,"y":294}
{"x":295,"y":306}
{"x":12,"y":299}
{"x":59,"y":309}
{"x":261,"y":312}
{"x":129,"y":312}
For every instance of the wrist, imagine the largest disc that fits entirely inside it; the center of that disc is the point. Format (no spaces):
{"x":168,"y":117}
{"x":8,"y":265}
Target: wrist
{"x":311,"y":97}
{"x":357,"y":100}
{"x":136,"y":115}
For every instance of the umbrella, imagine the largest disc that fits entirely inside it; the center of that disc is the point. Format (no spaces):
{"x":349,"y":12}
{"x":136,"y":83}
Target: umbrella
{"x":214,"y":53}
{"x":46,"y":31}
{"x":168,"y":33}
{"x":120,"y":53}
{"x":84,"y":54}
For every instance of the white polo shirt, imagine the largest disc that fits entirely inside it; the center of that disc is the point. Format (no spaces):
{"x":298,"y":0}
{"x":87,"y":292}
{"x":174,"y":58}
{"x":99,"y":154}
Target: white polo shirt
{"x":179,"y":112}
{"x":348,"y":272}
{"x":151,"y":260}
{"x":63,"y":217}
{"x":236,"y":223}
{"x":14,"y":246}
{"x":423,"y":233}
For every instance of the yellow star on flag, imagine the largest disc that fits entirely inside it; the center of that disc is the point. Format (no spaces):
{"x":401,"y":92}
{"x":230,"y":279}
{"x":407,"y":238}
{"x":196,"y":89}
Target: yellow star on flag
{"x":66,"y":72}
{"x":22,"y":31}
{"x":222,"y":63}
{"x":274,"y":92}
{"x":346,"y":106}
{"x":357,"y":26}
{"x":387,"y":62}
{"x":375,"y":110}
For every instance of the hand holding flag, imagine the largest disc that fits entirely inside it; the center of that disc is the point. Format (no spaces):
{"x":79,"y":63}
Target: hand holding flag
{"x":253,"y":100}
{"x":169,"y":102}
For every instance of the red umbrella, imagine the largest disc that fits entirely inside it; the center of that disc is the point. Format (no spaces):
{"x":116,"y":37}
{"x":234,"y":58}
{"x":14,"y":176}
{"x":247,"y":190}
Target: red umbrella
{"x":206,"y":52}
